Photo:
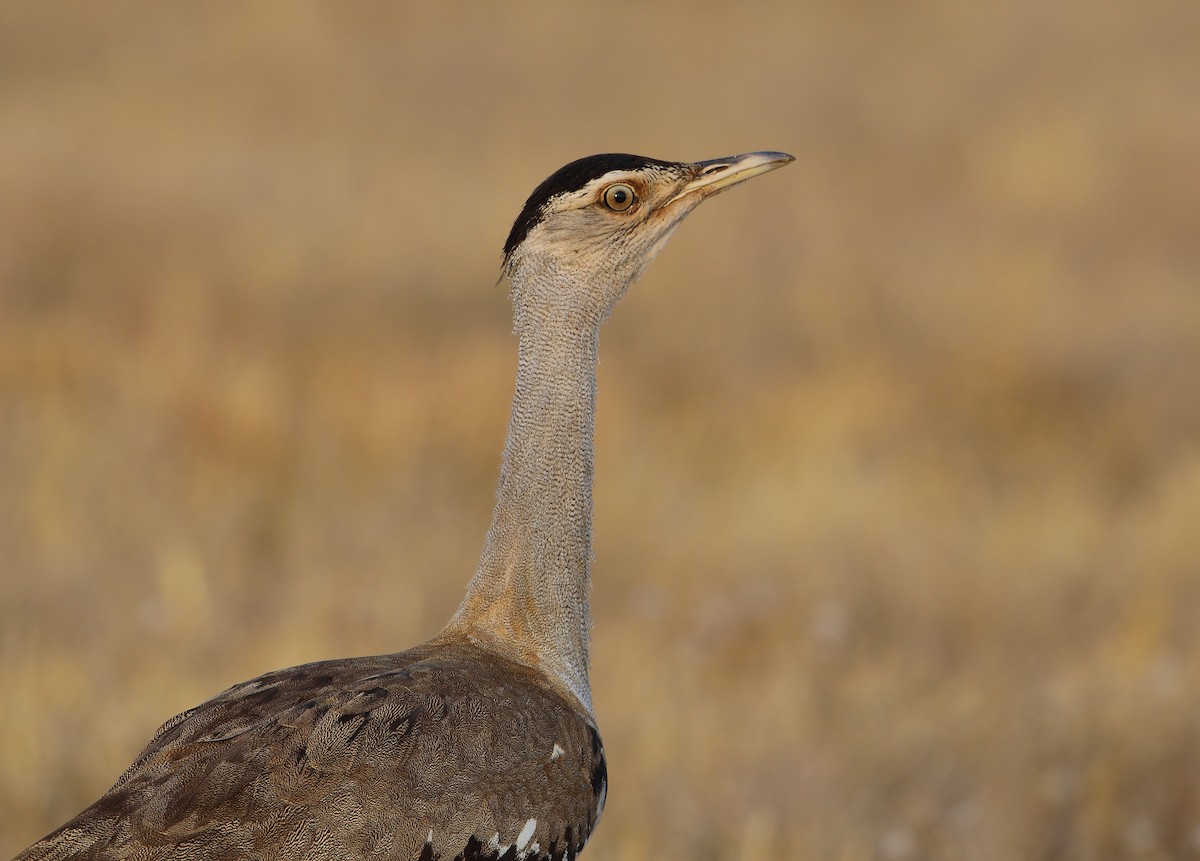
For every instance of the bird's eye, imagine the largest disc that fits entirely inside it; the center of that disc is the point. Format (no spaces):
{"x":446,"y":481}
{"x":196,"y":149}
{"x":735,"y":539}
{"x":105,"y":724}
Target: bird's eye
{"x":619,"y":197}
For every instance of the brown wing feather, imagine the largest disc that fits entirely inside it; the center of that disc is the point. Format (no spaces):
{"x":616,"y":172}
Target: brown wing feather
{"x":356,"y":758}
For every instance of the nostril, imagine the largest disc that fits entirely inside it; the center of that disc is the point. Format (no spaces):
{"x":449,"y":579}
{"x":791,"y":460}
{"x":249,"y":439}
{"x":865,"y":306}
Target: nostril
{"x":714,"y":168}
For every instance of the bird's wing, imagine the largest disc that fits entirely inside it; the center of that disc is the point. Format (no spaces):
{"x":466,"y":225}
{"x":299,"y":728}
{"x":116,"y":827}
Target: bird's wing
{"x":344,"y":759}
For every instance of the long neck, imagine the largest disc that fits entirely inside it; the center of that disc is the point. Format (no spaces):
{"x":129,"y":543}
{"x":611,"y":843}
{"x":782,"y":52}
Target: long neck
{"x":529,"y":596}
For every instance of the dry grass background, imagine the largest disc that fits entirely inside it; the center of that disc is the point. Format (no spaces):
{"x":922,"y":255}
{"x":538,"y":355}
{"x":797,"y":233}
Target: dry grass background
{"x":898,"y":483}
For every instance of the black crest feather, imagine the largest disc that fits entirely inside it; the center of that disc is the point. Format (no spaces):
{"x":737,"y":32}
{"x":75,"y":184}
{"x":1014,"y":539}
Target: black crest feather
{"x":570,"y":177}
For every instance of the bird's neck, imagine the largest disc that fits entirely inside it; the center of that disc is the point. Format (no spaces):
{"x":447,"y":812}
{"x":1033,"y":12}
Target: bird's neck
{"x":529,"y":596}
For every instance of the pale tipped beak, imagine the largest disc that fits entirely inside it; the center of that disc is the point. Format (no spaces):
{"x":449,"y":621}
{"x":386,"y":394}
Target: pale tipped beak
{"x":719,"y":174}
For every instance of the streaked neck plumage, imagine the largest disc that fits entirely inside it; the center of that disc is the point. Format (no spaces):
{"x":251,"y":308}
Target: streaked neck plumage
{"x":528,"y":599}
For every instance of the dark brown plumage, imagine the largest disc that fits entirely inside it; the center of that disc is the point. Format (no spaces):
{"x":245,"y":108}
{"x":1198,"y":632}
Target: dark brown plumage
{"x":366,"y":757}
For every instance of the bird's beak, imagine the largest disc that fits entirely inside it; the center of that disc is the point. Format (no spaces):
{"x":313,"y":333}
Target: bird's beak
{"x":719,"y":174}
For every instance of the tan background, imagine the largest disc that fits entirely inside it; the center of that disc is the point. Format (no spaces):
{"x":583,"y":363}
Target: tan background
{"x":898,"y":491}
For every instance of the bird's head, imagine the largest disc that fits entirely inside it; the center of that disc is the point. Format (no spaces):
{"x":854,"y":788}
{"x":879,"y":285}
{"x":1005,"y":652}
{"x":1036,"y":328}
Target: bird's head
{"x":592,"y":227}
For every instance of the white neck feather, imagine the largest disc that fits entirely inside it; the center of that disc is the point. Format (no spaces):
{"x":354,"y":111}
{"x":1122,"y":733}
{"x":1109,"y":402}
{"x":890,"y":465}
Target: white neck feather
{"x":529,"y":596}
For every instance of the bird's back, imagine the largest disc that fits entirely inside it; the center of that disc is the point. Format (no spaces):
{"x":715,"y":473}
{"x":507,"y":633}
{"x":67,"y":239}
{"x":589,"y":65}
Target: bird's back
{"x":444,"y":751}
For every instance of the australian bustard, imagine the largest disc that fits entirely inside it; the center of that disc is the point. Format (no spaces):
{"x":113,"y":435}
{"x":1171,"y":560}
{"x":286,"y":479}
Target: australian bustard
{"x":481,"y":743}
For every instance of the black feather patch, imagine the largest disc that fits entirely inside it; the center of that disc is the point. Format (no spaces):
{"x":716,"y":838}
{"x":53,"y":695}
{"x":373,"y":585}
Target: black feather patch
{"x":571,"y":177}
{"x":599,"y":767}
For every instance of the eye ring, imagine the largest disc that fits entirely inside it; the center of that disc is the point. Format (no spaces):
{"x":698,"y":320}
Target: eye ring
{"x":619,"y":197}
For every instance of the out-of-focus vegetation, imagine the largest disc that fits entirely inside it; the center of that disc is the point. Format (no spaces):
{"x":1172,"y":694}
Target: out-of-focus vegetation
{"x":898,"y":480}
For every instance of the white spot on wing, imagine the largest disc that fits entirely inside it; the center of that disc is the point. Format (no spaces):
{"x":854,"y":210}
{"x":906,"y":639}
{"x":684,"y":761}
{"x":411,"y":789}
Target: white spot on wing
{"x":557,"y":752}
{"x":526,"y":834}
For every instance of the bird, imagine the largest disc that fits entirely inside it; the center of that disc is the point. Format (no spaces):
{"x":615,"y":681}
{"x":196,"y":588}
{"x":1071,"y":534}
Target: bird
{"x":480,"y":743}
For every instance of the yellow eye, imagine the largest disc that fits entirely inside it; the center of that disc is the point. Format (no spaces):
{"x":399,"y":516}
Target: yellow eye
{"x":619,"y":197}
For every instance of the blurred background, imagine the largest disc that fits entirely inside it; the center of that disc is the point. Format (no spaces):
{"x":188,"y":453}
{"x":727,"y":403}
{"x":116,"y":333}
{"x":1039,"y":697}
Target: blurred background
{"x":898,"y":470}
